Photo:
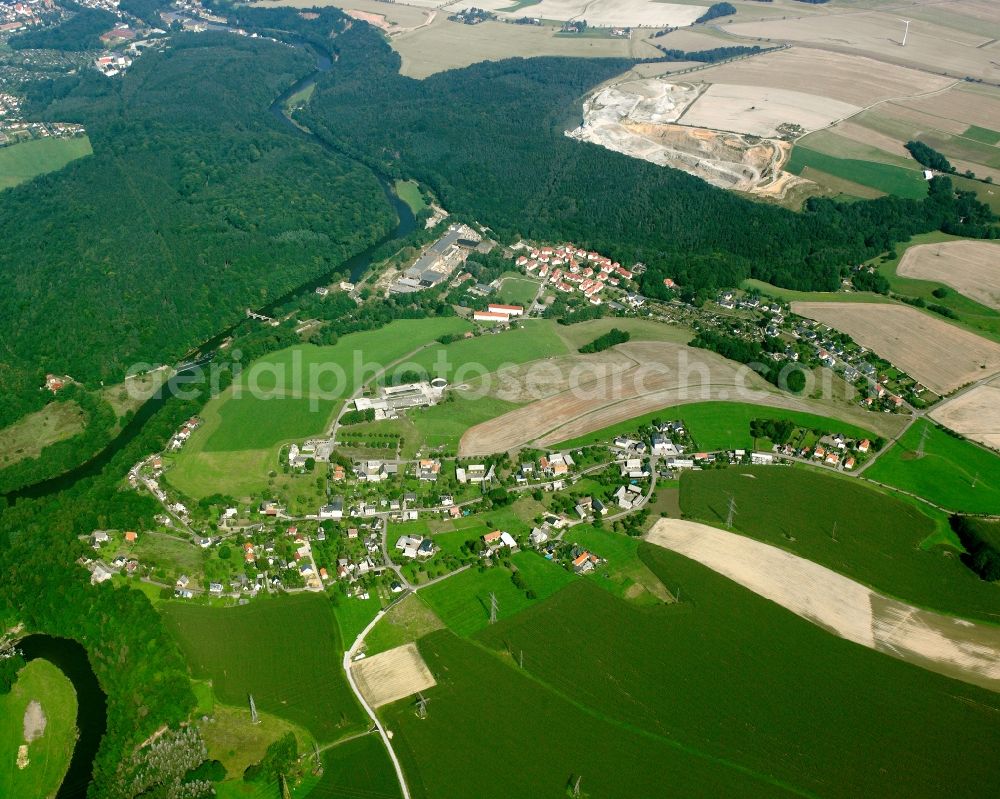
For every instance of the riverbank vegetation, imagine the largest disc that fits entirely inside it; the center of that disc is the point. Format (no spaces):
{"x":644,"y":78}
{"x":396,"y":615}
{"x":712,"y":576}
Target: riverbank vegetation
{"x":188,"y":177}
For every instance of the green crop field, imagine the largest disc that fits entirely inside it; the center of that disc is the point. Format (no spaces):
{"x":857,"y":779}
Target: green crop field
{"x":286,"y":652}
{"x":495,"y":732}
{"x":48,"y":754}
{"x":353,"y":615}
{"x":742,"y":682}
{"x":576,"y":335}
{"x":962,"y":148}
{"x":847,"y":526}
{"x":251,"y":423}
{"x":358,"y":769}
{"x":462,"y":602}
{"x":884,"y":177}
{"x":288,"y":395}
{"x":983,"y":135}
{"x":516,"y":290}
{"x":21,"y":162}
{"x":409,"y":192}
{"x":444,"y":424}
{"x":336,"y":371}
{"x":405,"y":622}
{"x":953,"y":473}
{"x":721,"y":425}
{"x":468,"y":359}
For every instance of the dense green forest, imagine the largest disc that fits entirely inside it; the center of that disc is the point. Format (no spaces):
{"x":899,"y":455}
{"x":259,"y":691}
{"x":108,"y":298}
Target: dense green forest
{"x":928,"y":156}
{"x":196,"y":204}
{"x":81,"y":31}
{"x":488,"y":140}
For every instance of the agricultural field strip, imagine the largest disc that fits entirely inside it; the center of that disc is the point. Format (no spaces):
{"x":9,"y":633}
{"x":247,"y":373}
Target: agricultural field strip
{"x":971,"y":268}
{"x":562,"y":416}
{"x":940,"y":355}
{"x":974,"y":414}
{"x":392,"y":675}
{"x":954,"y":647}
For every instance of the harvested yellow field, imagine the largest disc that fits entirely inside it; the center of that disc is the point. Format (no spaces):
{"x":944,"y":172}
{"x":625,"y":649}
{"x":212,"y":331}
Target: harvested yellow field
{"x":397,"y":16}
{"x":965,"y":105}
{"x":879,"y":35}
{"x":848,"y":79}
{"x":443,"y":45}
{"x":971,"y":268}
{"x":392,"y":675}
{"x":974,"y":414}
{"x":941,"y":356}
{"x":581,"y":394}
{"x":957,"y":648}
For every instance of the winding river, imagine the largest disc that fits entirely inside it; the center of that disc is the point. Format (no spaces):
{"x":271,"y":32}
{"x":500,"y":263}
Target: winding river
{"x":356,"y":266}
{"x":69,"y":655}
{"x":91,"y":714}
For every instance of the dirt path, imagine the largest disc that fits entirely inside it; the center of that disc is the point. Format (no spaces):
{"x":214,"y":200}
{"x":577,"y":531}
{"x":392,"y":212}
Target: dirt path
{"x":954,"y":647}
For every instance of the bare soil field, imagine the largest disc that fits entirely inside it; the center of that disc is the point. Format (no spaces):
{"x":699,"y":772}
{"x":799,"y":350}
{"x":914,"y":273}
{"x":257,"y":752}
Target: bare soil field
{"x":392,"y":675}
{"x":974,"y":414}
{"x":954,"y":647}
{"x":964,"y":105}
{"x":971,"y":268}
{"x":932,"y":46}
{"x":762,"y":111}
{"x":666,"y":374}
{"x":940,"y":355}
{"x":848,"y":79}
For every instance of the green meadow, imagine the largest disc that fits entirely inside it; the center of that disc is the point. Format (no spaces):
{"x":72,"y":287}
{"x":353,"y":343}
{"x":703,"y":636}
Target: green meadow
{"x":888,"y":178}
{"x":48,"y":754}
{"x":21,"y":162}
{"x":951,"y":472}
{"x":848,"y":526}
{"x":720,"y":425}
{"x":409,"y":192}
{"x":462,"y":602}
{"x":357,"y":769}
{"x":286,"y":652}
{"x":466,"y":360}
{"x":744,"y":685}
{"x":516,"y":290}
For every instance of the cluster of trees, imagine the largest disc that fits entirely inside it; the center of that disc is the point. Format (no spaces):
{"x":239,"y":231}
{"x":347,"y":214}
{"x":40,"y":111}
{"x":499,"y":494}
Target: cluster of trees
{"x":866,"y":280}
{"x":981,"y":540}
{"x":928,"y":156}
{"x":196,"y":204}
{"x":357,"y":417}
{"x":10,"y":664}
{"x":717,"y":10}
{"x":709,"y":56}
{"x":82,"y":31}
{"x":755,"y":355}
{"x":778,"y":431}
{"x":279,"y":761}
{"x":608,"y":340}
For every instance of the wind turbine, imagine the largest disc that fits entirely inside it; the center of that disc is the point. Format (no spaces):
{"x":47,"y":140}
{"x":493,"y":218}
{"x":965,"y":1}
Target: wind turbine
{"x":906,"y":31}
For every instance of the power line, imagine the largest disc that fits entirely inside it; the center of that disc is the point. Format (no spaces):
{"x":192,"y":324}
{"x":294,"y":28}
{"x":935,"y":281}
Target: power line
{"x":732,"y":512}
{"x":494,"y":605}
{"x":254,"y":718}
{"x":421,"y":706}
